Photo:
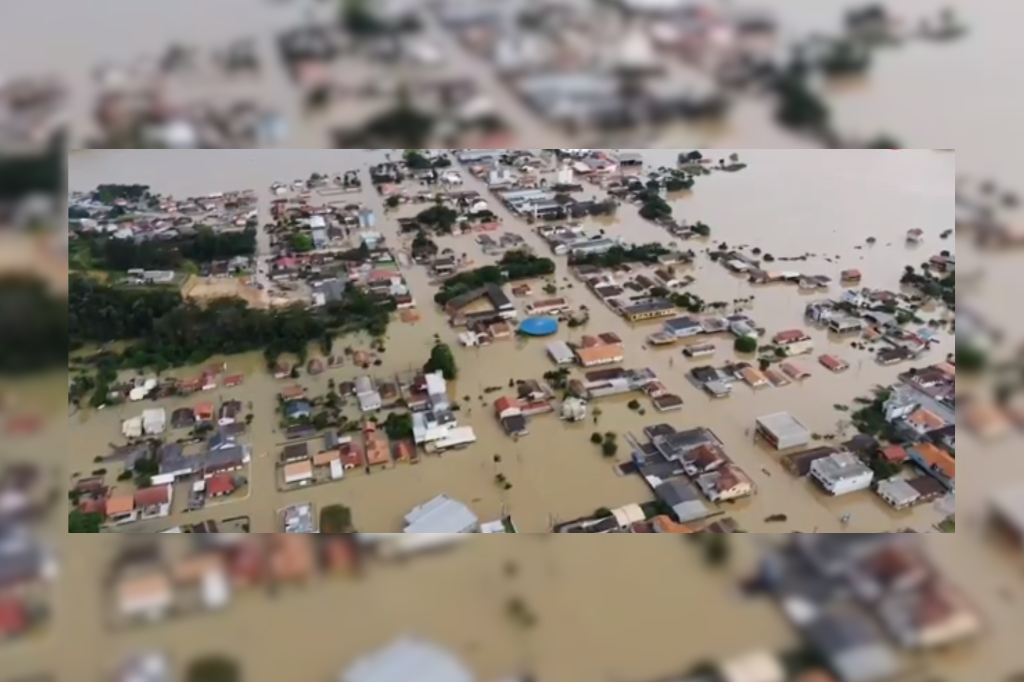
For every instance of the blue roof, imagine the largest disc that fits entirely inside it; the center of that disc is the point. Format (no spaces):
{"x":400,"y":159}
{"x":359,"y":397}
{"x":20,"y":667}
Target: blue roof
{"x":405,"y":660}
{"x":539,"y":326}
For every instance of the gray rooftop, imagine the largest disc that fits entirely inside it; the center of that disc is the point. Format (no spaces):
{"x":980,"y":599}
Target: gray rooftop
{"x":441,"y":515}
{"x":683,"y":498}
{"x":408,"y":660}
{"x":853,"y":647}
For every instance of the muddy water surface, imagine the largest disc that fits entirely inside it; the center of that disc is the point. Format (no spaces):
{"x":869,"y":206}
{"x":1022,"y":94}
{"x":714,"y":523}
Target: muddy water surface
{"x":597,"y":617}
{"x":789,"y":204}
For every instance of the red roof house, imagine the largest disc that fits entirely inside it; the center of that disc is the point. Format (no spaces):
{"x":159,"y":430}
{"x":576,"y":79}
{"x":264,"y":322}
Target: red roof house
{"x":14,"y":618}
{"x":220,"y":485}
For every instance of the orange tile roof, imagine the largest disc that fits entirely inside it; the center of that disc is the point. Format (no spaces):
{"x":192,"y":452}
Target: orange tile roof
{"x":790,"y":336}
{"x":325,"y":458}
{"x":598,"y":354}
{"x":153,"y":497}
{"x":926,"y":419}
{"x":937,"y":458}
{"x":667,"y":525}
{"x":120,"y":504}
{"x":404,"y":450}
{"x":894,"y":453}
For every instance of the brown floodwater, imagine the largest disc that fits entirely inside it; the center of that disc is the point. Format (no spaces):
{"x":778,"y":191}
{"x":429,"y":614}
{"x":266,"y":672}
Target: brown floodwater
{"x":788,"y":203}
{"x":597,"y":619}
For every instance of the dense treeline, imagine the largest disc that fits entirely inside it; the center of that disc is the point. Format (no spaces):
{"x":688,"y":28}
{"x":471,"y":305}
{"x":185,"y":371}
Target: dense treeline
{"x":97,"y":313}
{"x":515,"y":265}
{"x":167,"y":331}
{"x":42,"y":173}
{"x":33,"y":327}
{"x":207,"y":245}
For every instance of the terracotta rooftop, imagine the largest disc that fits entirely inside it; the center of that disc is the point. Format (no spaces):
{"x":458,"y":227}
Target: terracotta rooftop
{"x":935,"y":457}
{"x":120,"y":504}
{"x":153,"y":497}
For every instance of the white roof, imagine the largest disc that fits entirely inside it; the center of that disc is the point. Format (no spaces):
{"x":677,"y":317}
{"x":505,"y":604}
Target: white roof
{"x":756,"y":667}
{"x":317,"y":222}
{"x":460,"y":435}
{"x":1009,"y":503}
{"x":405,"y":660}
{"x":156,"y":414}
{"x":436,"y":384}
{"x":629,"y":515}
{"x":441,"y":515}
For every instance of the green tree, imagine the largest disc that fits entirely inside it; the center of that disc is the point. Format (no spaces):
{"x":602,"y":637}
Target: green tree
{"x":596,"y":438}
{"x":442,"y":360}
{"x":609,"y":448}
{"x":336,"y":518}
{"x":359,"y":19}
{"x":213,"y":668}
{"x":745,"y":344}
{"x":80,"y":522}
{"x":702,"y":229}
{"x":301,"y":242}
{"x":398,"y":426}
{"x":717,"y":550}
{"x":970,"y":358}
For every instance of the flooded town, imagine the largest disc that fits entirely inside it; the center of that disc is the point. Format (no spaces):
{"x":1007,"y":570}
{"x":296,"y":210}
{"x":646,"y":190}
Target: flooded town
{"x":402,"y":347}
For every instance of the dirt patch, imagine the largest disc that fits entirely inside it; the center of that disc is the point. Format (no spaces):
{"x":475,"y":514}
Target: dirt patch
{"x":211,"y":288}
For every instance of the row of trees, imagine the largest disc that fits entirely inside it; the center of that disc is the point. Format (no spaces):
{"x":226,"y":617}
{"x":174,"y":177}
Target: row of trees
{"x":33,"y":326}
{"x":620,"y":255}
{"x":514,"y":265}
{"x":167,"y":331}
{"x":205,"y":246}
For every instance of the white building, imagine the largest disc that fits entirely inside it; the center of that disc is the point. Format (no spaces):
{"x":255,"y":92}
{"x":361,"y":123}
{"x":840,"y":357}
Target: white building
{"x":132,"y":428}
{"x":842,"y":473}
{"x":437,"y":390}
{"x":442,"y":515}
{"x":154,"y":422}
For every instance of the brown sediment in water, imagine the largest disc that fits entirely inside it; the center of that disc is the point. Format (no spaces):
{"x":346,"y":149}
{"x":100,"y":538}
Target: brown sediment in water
{"x":785,"y":202}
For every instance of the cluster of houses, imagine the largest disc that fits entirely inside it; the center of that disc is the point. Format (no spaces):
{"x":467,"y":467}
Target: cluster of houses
{"x":142,"y":388}
{"x":687,"y":469}
{"x":314,"y":462}
{"x":154,"y":217}
{"x":558,"y":68}
{"x":214,"y":468}
{"x":154,"y":422}
{"x":921,"y":411}
{"x":573,"y":240}
{"x":740,"y":263}
{"x":636,"y":300}
{"x":149,"y":585}
{"x":28,"y":565}
{"x":874,"y":315}
{"x":863,"y":601}
{"x":531,"y":400}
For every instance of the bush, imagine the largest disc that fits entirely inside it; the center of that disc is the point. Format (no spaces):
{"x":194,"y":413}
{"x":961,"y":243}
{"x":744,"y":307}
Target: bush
{"x":970,"y":358}
{"x":609,"y":448}
{"x":745,"y":344}
{"x":596,"y":439}
{"x":634,"y":405}
{"x":336,"y":518}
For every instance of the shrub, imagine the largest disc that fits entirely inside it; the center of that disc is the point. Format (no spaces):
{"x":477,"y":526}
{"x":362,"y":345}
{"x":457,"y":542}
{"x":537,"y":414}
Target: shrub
{"x":745,"y":344}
